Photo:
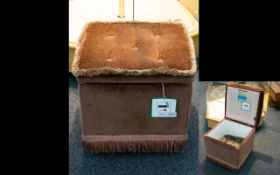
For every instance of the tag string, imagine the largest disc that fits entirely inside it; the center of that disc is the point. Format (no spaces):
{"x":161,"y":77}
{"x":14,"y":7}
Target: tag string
{"x":163,"y":90}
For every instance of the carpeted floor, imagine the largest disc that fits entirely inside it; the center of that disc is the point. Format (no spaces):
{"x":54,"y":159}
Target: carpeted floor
{"x":264,"y":160}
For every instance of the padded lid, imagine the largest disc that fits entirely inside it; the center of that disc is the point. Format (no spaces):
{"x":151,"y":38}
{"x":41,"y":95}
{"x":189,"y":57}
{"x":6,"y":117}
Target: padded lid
{"x":243,"y":103}
{"x":134,"y":48}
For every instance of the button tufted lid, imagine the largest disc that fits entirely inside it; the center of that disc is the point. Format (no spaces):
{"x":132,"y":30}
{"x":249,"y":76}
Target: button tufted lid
{"x":134,"y":48}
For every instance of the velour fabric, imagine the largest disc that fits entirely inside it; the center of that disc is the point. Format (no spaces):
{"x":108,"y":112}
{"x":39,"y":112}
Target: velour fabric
{"x":134,"y":48}
{"x":120,"y":67}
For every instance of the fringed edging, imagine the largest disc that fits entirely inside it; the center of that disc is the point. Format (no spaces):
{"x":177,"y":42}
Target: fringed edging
{"x":119,"y":144}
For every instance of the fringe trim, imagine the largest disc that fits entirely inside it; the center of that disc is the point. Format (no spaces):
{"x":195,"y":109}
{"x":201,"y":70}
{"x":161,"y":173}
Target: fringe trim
{"x":76,"y":71}
{"x":119,"y":144}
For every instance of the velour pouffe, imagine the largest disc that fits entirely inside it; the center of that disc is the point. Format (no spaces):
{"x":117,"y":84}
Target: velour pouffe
{"x":135,"y":85}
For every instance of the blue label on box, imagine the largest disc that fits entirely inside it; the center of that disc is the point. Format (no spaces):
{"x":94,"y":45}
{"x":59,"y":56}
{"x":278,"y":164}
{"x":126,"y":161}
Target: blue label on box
{"x":242,"y":98}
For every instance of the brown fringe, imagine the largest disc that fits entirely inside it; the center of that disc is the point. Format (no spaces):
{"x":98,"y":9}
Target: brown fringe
{"x":119,"y":146}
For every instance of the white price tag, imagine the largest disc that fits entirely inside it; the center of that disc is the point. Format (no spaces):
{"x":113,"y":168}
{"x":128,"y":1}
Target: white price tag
{"x":164,"y":107}
{"x":245,"y":106}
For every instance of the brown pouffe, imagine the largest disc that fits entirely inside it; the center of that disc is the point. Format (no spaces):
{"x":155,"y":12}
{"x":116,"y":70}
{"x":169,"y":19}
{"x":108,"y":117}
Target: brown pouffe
{"x":120,"y":67}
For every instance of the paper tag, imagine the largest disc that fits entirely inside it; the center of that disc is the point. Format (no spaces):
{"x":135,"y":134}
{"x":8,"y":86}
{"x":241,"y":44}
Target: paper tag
{"x":164,"y":107}
{"x":245,"y":106}
{"x":242,"y":96}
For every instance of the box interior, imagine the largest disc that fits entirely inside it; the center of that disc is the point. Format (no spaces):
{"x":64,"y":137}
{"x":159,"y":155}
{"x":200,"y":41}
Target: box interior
{"x":231,"y":128}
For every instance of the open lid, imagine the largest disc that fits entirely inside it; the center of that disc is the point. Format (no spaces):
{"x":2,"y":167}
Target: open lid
{"x":243,"y":103}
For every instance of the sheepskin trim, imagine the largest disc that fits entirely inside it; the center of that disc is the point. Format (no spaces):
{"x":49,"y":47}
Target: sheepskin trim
{"x":106,"y":70}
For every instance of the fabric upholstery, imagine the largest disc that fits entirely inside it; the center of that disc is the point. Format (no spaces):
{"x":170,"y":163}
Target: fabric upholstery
{"x":120,"y":67}
{"x":134,"y":48}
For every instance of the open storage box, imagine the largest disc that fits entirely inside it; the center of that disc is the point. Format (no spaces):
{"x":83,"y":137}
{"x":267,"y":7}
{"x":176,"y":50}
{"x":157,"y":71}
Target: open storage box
{"x":120,"y":68}
{"x":242,"y":116}
{"x":215,"y":101}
